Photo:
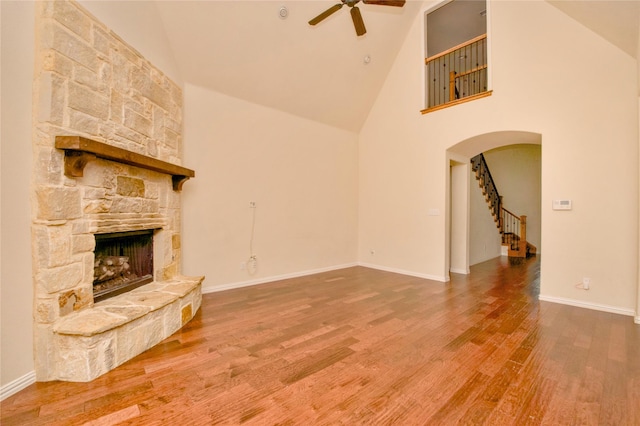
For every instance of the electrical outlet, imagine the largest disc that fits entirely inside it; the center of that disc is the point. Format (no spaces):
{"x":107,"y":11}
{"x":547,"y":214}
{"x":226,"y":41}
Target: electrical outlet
{"x":243,"y":266}
{"x":252,"y":204}
{"x":586,"y":283}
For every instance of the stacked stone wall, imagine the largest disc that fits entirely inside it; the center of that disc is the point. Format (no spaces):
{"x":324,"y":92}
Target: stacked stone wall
{"x":89,"y":82}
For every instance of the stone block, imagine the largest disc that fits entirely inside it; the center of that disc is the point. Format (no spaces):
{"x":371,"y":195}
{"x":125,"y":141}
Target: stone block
{"x":79,"y":227}
{"x":46,"y":310}
{"x":66,"y":300}
{"x":101,"y":41}
{"x":133,"y":136}
{"x":52,"y":245}
{"x":83,"y":122}
{"x":152,"y":148}
{"x":104,"y":78}
{"x":48,"y":166}
{"x":85,"y":77}
{"x":151,"y":190}
{"x":68,"y":14}
{"x":170,"y":271}
{"x":130,"y":187}
{"x":84,"y":296}
{"x":120,"y":74}
{"x":175,"y":241}
{"x":88,"y":101}
{"x":51,"y":98}
{"x":88,"y":262}
{"x":137,"y":122}
{"x":83,"y":243}
{"x":74,"y":300}
{"x":82,"y":359}
{"x":116,"y":106}
{"x":187,"y":314}
{"x":158,"y":123}
{"x":70,"y":45}
{"x":44,"y":353}
{"x":58,"y":203}
{"x":172,"y":320}
{"x":151,"y":90}
{"x":94,"y":193}
{"x":171,"y":138}
{"x":126,"y":205}
{"x":97,"y":206}
{"x":56,"y":62}
{"x":138,"y":336}
{"x":62,"y":278}
{"x":148,"y":206}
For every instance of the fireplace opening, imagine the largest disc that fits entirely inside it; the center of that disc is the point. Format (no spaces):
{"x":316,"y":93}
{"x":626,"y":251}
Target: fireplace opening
{"x":122,"y":262}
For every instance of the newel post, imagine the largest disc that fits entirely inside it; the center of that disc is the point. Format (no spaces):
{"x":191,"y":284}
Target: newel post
{"x":523,"y":228}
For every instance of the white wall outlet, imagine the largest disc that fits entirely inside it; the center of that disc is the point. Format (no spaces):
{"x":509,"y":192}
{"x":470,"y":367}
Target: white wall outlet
{"x":586,"y":283}
{"x":252,"y":204}
{"x":243,"y":266}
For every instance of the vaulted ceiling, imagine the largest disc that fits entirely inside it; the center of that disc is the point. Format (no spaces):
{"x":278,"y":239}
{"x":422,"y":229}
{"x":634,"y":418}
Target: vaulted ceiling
{"x":246,"y":50}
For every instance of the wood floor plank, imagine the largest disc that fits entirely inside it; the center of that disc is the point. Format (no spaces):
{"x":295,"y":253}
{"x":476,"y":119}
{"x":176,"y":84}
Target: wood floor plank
{"x":360,"y":346}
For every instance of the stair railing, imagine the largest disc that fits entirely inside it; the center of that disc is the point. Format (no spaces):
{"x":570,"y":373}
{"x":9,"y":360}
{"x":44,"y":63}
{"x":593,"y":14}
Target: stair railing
{"x":479,"y":166}
{"x":512,"y":227}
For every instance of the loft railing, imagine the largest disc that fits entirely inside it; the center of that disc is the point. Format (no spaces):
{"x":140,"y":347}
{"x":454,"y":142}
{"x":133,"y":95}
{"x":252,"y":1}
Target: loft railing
{"x":457,"y":73}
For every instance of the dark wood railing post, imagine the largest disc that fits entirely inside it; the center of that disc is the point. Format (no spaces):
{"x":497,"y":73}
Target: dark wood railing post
{"x":452,"y":86}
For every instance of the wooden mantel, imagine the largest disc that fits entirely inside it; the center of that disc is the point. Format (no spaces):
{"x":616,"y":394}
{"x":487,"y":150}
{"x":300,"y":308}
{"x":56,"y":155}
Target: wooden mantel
{"x":78,"y":151}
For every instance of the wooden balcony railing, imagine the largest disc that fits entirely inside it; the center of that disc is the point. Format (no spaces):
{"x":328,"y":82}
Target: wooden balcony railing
{"x":458,"y":74}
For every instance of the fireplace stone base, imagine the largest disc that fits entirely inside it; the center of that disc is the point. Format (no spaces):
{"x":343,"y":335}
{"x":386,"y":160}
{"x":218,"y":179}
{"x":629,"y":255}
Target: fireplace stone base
{"x":93,"y":341}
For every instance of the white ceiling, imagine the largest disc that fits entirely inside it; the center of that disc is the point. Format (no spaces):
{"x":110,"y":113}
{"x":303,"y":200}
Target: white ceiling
{"x":244,"y":49}
{"x":615,"y":20}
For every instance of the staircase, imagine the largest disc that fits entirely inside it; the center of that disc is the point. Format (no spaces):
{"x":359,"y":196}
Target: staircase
{"x":513,"y":228}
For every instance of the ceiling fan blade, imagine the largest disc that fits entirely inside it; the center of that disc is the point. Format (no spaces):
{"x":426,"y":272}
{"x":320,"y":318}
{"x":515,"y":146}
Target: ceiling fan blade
{"x":357,"y":21}
{"x":396,"y":3}
{"x":324,"y":15}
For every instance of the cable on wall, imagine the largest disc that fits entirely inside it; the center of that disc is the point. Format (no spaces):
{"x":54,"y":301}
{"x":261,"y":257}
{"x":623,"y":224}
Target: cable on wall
{"x":252,"y":263}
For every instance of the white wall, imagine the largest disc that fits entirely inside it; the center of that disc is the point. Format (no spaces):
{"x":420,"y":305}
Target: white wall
{"x":303,"y":176}
{"x":590,"y":139}
{"x":17,"y":40}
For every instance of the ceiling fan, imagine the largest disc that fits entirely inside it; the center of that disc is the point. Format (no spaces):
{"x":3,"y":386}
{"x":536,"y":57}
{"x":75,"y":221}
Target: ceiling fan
{"x":358,"y":23}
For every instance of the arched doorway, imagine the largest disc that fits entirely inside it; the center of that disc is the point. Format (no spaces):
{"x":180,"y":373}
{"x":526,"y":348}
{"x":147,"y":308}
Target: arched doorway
{"x":459,"y":256}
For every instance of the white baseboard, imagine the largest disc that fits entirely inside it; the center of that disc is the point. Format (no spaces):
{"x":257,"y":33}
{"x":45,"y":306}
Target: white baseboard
{"x":403,"y":272}
{"x":17,"y":385}
{"x":460,"y":271}
{"x":263,"y":280}
{"x":589,"y":305}
{"x":637,"y":319}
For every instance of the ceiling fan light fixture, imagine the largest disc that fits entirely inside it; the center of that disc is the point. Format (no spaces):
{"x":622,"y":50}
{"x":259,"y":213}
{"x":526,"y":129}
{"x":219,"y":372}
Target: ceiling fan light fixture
{"x":356,"y":16}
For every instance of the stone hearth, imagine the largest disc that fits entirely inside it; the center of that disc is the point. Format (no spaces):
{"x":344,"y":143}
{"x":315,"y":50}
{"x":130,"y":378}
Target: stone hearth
{"x":91,"y":84}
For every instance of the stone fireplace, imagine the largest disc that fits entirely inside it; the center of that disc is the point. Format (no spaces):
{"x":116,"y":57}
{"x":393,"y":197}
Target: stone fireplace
{"x":106,"y":189}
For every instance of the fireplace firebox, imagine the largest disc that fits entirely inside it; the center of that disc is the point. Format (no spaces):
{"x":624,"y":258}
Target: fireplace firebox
{"x":122,"y":261}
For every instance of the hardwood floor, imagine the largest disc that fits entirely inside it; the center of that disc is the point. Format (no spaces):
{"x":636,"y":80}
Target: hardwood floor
{"x":361,"y":346}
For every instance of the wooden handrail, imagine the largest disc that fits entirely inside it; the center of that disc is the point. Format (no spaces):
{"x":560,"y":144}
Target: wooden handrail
{"x":462,"y":74}
{"x":511,"y":213}
{"x":454,"y":48}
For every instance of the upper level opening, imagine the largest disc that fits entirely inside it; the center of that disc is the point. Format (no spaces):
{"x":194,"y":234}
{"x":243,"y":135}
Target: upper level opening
{"x":456,"y":66}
